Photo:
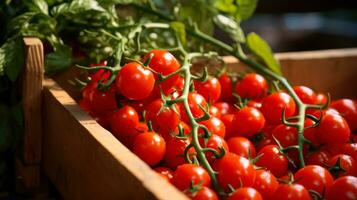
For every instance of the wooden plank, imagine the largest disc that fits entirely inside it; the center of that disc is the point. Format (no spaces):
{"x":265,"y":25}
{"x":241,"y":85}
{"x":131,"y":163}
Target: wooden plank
{"x":31,"y":97}
{"x":328,"y":71}
{"x":27,"y":176}
{"x":85,"y":161}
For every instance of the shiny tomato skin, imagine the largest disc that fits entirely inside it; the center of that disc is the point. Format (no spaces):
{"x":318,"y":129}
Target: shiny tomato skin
{"x":195,"y":101}
{"x":165,"y":172}
{"x":210,"y":89}
{"x":242,"y":147}
{"x":248,"y":121}
{"x":102,"y":101}
{"x":306,"y":94}
{"x":291,"y":192}
{"x":321,"y":99}
{"x":348,"y":110}
{"x":175,"y":149}
{"x":351,"y":150}
{"x":265,"y":183}
{"x":163,"y":62}
{"x":226,"y":88}
{"x":318,"y":158}
{"x":214,"y":112}
{"x":252,"y":86}
{"x":168,"y":134}
{"x":344,"y":188}
{"x":228,"y":123}
{"x":215,"y":126}
{"x":124,"y":121}
{"x":187,"y":174}
{"x":333,"y":129}
{"x":347,"y":163}
{"x":274,"y":104}
{"x":234,"y":170}
{"x":272,"y":159}
{"x":245,"y":193}
{"x":150,"y":147}
{"x":134,"y":81}
{"x":205,"y":193}
{"x":214,"y":142}
{"x":224,"y":108}
{"x":166,"y":119}
{"x":286,"y":135}
{"x":314,"y":177}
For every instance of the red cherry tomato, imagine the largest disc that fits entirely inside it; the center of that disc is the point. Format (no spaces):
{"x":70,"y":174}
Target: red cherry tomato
{"x":124,"y":121}
{"x":351,"y":150}
{"x":347,"y":163}
{"x":101,"y":74}
{"x":175,"y":149}
{"x":265,"y":183}
{"x":291,"y":192}
{"x":321,"y":99}
{"x":224,"y":108}
{"x":102,"y":101}
{"x":245,"y":193}
{"x":344,"y":188}
{"x":306,"y":95}
{"x":242,"y":147}
{"x":228,"y":123}
{"x":214,"y":142}
{"x":286,"y":135}
{"x":210,"y":89}
{"x":234,"y":170}
{"x":215,"y":126}
{"x":162,"y":119}
{"x":166,"y":134}
{"x":134,"y":81}
{"x":150,"y":147}
{"x":205,"y":193}
{"x":314,"y":177}
{"x":254,"y":104}
{"x":188,"y":174}
{"x":272,"y":159}
{"x":252,"y":86}
{"x":195,"y":101}
{"x":165,"y":172}
{"x":226,"y":88}
{"x":264,"y":142}
{"x":333,"y":129}
{"x":348,"y":109}
{"x":273,"y":105}
{"x":214,"y":112}
{"x":318,"y":158}
{"x":163,"y":62}
{"x":248,"y":121}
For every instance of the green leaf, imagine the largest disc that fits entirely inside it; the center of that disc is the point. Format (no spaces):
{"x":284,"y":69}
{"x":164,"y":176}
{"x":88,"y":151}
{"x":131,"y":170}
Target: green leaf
{"x":179,"y":28}
{"x":12,"y":58}
{"x":245,"y":9}
{"x":226,"y":6}
{"x":38,"y":6}
{"x":76,"y":6}
{"x":261,"y":49}
{"x":231,"y":27}
{"x":58,"y":60}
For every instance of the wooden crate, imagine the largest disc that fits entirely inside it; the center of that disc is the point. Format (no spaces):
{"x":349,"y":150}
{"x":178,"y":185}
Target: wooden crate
{"x":84,"y":161}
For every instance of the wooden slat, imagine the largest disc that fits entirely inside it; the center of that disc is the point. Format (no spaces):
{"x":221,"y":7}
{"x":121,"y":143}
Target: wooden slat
{"x":332,"y":71}
{"x":85,"y":161}
{"x":31,"y":97}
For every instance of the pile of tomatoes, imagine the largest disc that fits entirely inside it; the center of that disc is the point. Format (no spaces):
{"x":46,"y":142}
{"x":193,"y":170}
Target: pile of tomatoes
{"x":259,"y":153}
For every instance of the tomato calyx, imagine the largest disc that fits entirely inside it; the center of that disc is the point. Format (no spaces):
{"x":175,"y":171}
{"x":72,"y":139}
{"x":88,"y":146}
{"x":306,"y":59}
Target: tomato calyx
{"x":194,"y":188}
{"x":336,"y":168}
{"x":285,"y":150}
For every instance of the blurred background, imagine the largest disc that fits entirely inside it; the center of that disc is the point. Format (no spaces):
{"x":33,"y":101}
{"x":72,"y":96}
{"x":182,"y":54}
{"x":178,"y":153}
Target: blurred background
{"x":298,"y":25}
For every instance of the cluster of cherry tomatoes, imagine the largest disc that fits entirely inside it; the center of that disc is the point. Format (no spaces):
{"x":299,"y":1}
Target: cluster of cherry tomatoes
{"x":260,"y":160}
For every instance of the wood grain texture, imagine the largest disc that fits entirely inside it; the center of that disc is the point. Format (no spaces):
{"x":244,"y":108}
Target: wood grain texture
{"x":85,"y":161}
{"x":32,"y":99}
{"x":328,"y":71}
{"x":27,"y":176}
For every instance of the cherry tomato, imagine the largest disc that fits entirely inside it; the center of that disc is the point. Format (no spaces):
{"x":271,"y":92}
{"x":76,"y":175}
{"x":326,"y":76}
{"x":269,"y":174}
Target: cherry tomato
{"x":226,"y":88}
{"x":242,"y":147}
{"x":291,"y":192}
{"x":267,"y":139}
{"x":234,"y":170}
{"x":165,"y":172}
{"x":272,"y":159}
{"x":254,"y":104}
{"x":187,"y":174}
{"x":86,"y":90}
{"x":175,"y":149}
{"x":309,"y":132}
{"x":318,"y":158}
{"x":344,"y":188}
{"x":248,"y":121}
{"x":128,"y":140}
{"x":205,"y":193}
{"x":134,"y":81}
{"x":150,"y":147}
{"x":286,"y":135}
{"x":166,"y":119}
{"x":102,"y":101}
{"x":228,"y":123}
{"x":210,"y":89}
{"x":252,"y":86}
{"x":163,"y":62}
{"x":351,"y":150}
{"x":224,"y":108}
{"x":195,"y":101}
{"x":124,"y":121}
{"x":306,"y":95}
{"x":213,"y":111}
{"x":245,"y":193}
{"x":215,"y":126}
{"x":273,"y":105}
{"x":314,"y":177}
{"x":167,"y":134}
{"x":100,"y":75}
{"x":332,"y":129}
{"x":321,"y":99}
{"x":214,"y":142}
{"x":265,"y":183}
{"x":348,"y":109}
{"x":347,"y":164}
